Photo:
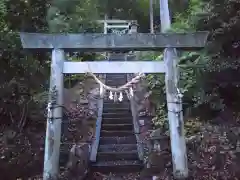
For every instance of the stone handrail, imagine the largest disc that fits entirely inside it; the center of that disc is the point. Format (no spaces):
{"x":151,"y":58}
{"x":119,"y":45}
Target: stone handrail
{"x":134,"y":111}
{"x":136,"y":128}
{"x":95,"y":142}
{"x":138,"y":108}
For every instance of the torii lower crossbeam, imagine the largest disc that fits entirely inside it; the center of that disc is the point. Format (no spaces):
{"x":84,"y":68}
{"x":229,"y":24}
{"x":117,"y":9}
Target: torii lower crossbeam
{"x":114,"y":67}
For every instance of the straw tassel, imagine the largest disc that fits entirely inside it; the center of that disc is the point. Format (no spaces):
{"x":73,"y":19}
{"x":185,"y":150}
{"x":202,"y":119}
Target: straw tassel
{"x":131,"y":92}
{"x":111,"y":95}
{"x":120,"y":97}
{"x":101,"y":91}
{"x":128,"y":95}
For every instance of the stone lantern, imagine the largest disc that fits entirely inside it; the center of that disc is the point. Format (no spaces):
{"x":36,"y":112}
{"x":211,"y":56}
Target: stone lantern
{"x":159,"y":141}
{"x":155,"y":140}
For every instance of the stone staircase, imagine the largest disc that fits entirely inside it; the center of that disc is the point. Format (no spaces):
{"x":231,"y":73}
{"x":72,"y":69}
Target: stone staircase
{"x":117,"y":151}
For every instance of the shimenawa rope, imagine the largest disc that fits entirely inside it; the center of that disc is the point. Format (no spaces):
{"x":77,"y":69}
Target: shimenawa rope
{"x":127,"y":88}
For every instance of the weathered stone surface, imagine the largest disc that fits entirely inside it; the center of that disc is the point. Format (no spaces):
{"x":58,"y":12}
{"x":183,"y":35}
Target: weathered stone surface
{"x":141,"y":97}
{"x":83,"y":101}
{"x":85,"y":94}
{"x":93,"y":97}
{"x":157,"y":162}
{"x":78,"y":162}
{"x":159,"y":137}
{"x":91,"y":94}
{"x":114,"y":67}
{"x":103,"y":42}
{"x":142,"y":108}
{"x":155,"y":134}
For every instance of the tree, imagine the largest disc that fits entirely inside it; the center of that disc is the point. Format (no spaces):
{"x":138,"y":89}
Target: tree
{"x":74,"y":16}
{"x":19,"y":68}
{"x":222,"y":21}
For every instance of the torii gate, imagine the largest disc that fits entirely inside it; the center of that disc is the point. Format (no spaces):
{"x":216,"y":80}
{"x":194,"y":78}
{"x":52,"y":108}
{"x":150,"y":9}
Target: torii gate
{"x":115,"y":24}
{"x":99,"y":42}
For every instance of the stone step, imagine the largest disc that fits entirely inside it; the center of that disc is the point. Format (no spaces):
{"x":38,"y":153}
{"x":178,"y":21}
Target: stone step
{"x":114,"y":78}
{"x":124,"y":100}
{"x":115,"y":82}
{"x":118,"y":140}
{"x":109,"y":101}
{"x":117,"y":166}
{"x":115,"y":156}
{"x":116,"y":133}
{"x":117,"y":110}
{"x":120,"y":176}
{"x":117,"y":77}
{"x":63,"y":158}
{"x":116,"y":114}
{"x":114,"y":127}
{"x":117,"y":147}
{"x":109,"y":104}
{"x":117,"y":120}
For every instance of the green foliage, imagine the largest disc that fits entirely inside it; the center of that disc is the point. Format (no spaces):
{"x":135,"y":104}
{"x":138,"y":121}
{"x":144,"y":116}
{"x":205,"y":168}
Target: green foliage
{"x":160,"y":120}
{"x":223,"y":23}
{"x":208,"y":77}
{"x":72,"y":16}
{"x":193,"y":67}
{"x":22,"y":74}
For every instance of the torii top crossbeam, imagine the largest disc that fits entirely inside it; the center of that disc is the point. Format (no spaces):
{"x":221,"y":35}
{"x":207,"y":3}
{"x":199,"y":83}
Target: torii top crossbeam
{"x":106,"y":42}
{"x":116,"y":21}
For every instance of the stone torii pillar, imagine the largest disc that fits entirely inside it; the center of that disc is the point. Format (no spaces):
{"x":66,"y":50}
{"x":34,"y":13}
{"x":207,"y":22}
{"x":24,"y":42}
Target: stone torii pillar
{"x":174,"y":101}
{"x":54,"y":120}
